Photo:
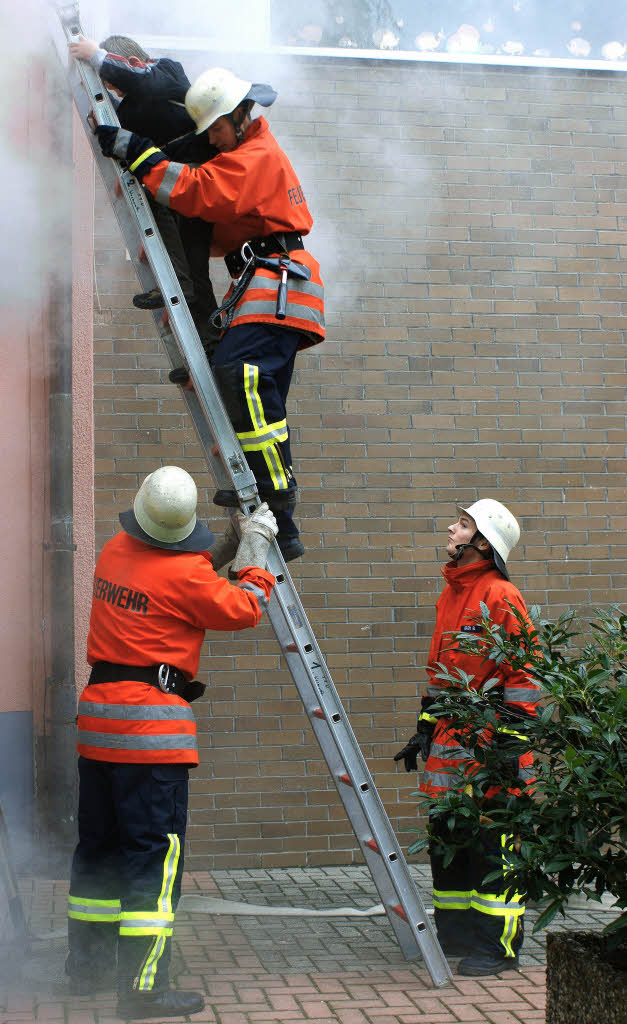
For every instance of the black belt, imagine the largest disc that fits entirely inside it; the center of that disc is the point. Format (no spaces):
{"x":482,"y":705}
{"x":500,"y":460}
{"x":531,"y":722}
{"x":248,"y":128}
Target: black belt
{"x":164,"y":677}
{"x":279,"y":241}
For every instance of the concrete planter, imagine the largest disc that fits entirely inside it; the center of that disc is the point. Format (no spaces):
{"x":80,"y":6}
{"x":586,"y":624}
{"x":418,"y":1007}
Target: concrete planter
{"x":581,"y":986}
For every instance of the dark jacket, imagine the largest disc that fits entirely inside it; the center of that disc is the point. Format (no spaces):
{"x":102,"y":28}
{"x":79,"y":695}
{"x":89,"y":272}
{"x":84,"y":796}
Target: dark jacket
{"x":154,"y":100}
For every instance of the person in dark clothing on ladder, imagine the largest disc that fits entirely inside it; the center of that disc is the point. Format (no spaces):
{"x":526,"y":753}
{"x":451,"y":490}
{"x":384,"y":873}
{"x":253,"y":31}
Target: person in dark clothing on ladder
{"x":251,"y":194}
{"x":472,"y":920}
{"x":151,"y":100}
{"x":156,"y":591}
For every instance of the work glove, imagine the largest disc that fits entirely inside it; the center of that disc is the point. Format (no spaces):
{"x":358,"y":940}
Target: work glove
{"x":258,"y":532}
{"x":420,"y":743}
{"x":125,"y":145}
{"x":225,"y":547}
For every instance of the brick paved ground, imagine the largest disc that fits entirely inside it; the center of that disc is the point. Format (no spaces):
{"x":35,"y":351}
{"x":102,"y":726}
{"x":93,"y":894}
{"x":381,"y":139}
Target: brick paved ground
{"x":265,"y":970}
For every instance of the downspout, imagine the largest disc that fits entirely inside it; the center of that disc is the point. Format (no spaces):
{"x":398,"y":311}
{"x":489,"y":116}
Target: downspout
{"x":60,"y":775}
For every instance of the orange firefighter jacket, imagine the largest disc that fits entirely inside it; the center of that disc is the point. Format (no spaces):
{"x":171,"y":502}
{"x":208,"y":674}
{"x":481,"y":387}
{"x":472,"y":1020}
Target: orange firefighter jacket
{"x":250,"y":192}
{"x":152,"y":606}
{"x":468,"y":586}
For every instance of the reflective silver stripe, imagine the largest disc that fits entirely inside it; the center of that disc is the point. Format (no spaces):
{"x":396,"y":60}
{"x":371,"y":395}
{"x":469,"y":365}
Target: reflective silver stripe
{"x":251,"y":380}
{"x":249,"y":308}
{"x":169,"y":873}
{"x":155,"y":925}
{"x":139,"y":712}
{"x":263,"y":446}
{"x":525,"y":774}
{"x":276,"y":467}
{"x":456,"y":898}
{"x":262,"y":437}
{"x":147,"y":977}
{"x":169,"y":180}
{"x":442,"y":779}
{"x":452,"y":753}
{"x":137,"y":741}
{"x":94,"y":909}
{"x":515,"y":694}
{"x":120,"y":146}
{"x":257,"y":591}
{"x":511,"y":925}
{"x":304,"y":287}
{"x":495,"y":905}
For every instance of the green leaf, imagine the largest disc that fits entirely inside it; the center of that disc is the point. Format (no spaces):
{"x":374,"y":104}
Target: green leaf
{"x":616,"y":926}
{"x":547,"y":915}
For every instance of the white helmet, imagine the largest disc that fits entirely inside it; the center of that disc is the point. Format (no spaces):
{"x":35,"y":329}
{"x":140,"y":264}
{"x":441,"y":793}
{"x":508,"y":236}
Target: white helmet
{"x":165,"y":505}
{"x":499,"y":527}
{"x":218,"y":92}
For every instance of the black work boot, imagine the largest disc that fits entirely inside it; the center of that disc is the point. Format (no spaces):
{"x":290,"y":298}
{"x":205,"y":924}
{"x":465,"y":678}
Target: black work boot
{"x":479,"y":965}
{"x":290,"y":547}
{"x":209,"y":339}
{"x":148,"y":1005}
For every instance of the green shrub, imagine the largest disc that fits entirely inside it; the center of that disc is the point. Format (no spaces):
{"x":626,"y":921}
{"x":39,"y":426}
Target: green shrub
{"x":569,"y":828}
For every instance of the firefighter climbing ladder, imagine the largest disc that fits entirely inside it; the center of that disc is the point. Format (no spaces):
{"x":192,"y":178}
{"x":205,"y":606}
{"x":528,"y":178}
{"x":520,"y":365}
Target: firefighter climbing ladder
{"x":311,"y":676}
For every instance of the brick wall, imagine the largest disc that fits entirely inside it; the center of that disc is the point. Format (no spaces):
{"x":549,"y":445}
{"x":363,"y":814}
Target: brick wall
{"x":472,"y":226}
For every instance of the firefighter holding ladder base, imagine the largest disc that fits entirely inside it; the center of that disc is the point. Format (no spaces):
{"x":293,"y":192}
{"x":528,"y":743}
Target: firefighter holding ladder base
{"x":156,"y":591}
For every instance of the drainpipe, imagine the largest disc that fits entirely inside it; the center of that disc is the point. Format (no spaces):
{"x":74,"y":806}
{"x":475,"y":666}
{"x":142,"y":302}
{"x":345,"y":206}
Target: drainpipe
{"x":59,"y":790}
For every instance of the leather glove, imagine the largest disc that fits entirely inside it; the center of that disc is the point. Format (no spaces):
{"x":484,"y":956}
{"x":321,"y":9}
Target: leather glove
{"x":420,"y":743}
{"x":125,"y":145}
{"x":258,"y":532}
{"x":225,"y":548}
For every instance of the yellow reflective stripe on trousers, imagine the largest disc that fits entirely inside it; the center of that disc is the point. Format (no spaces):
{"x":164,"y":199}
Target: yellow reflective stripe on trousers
{"x":495,"y":905}
{"x":451,"y":899}
{"x":270,"y":451}
{"x":170,"y":867}
{"x":82,"y":909}
{"x":255,"y":440}
{"x":143,"y":923}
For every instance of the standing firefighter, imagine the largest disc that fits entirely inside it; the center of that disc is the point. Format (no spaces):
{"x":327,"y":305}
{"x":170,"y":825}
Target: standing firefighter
{"x":472,"y":920}
{"x":156,"y":591}
{"x":251,"y":194}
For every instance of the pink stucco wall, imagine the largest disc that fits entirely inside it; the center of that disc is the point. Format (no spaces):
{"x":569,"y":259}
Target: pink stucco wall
{"x":24,"y":457}
{"x":21,"y":534}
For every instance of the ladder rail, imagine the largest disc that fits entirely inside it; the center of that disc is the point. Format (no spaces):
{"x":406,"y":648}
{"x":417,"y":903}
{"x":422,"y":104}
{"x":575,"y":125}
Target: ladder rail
{"x":304,"y":659}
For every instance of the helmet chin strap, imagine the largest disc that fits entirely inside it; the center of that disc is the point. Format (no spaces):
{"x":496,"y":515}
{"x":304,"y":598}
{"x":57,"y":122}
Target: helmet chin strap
{"x":238,"y":126}
{"x":460,"y":548}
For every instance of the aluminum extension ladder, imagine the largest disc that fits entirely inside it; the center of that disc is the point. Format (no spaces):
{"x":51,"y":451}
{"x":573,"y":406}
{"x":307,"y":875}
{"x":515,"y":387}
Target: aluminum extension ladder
{"x":399,"y":896}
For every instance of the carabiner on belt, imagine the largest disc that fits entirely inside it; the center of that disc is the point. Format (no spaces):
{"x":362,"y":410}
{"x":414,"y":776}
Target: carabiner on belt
{"x":163,"y":678}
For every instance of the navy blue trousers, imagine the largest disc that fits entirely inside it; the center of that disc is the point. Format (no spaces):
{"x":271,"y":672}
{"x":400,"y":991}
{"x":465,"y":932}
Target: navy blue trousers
{"x":254,"y":365}
{"x":125,"y":881}
{"x":470,"y":913}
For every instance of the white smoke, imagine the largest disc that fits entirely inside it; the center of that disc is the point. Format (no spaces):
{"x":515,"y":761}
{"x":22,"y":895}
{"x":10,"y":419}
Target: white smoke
{"x":33,"y":183}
